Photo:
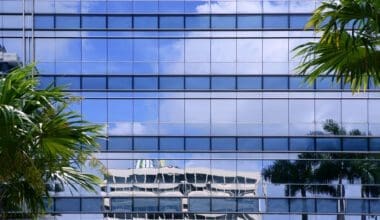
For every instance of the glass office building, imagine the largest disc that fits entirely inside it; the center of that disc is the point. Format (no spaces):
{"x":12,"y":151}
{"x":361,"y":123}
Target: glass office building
{"x":203,"y":114}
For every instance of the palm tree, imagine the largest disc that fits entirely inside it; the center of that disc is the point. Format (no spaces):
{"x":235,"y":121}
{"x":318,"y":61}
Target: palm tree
{"x":41,"y":141}
{"x":349,"y":45}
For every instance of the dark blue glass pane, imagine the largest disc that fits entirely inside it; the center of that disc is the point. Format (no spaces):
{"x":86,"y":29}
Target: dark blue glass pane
{"x":92,"y":204}
{"x":355,"y":144}
{"x":172,"y":22}
{"x":171,"y":143}
{"x":375,"y":206}
{"x":199,"y":205}
{"x":197,"y":22}
{"x":170,"y":205}
{"x":296,"y":82}
{"x":327,"y":205}
{"x":298,"y":21}
{"x":275,"y":21}
{"x":249,"y":144}
{"x":249,"y":21}
{"x":275,"y":82}
{"x":249,"y":82}
{"x":93,"y":22}
{"x":42,"y":21}
{"x":197,"y":82}
{"x":171,"y":82}
{"x":145,"y":204}
{"x":197,"y":144}
{"x":302,"y":205}
{"x":223,"y":205}
{"x":120,"y":82}
{"x":277,"y":205}
{"x":45,"y":81}
{"x":69,"y":82}
{"x":248,"y":205}
{"x":357,"y":206}
{"x":145,"y":143}
{"x":102,"y":143}
{"x":275,"y":144}
{"x":301,"y":144}
{"x":327,"y":83}
{"x":221,"y":82}
{"x":67,"y":22}
{"x":328,"y":144}
{"x":94,"y":82}
{"x":372,"y":85}
{"x":67,"y":204}
{"x":223,"y":21}
{"x":121,"y":204}
{"x":119,"y":22}
{"x":120,"y":143}
{"x":145,"y":22}
{"x":225,"y":144}
{"x":145,"y":83}
{"x":374,"y":144}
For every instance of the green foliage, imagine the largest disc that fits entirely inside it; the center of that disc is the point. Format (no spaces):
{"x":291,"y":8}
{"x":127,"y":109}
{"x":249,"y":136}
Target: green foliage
{"x":41,"y":142}
{"x":349,"y":47}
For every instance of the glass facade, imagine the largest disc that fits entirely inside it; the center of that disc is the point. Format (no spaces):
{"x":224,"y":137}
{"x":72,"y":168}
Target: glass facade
{"x":203,"y":114}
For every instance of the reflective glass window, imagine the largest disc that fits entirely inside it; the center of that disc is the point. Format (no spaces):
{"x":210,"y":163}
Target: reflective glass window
{"x":296,"y":82}
{"x":67,"y":21}
{"x":145,"y":50}
{"x":224,"y":144}
{"x":119,"y":22}
{"x":249,"y":144}
{"x":301,"y":144}
{"x":199,"y":205}
{"x":94,"y":50}
{"x":277,"y":205}
{"x":119,"y":49}
{"x":119,"y":143}
{"x":275,"y":144}
{"x":327,"y":83}
{"x":375,"y":206}
{"x":94,"y":82}
{"x":249,"y":21}
{"x":120,"y":82}
{"x":302,"y":205}
{"x":120,"y":111}
{"x":68,"y":50}
{"x":249,"y":82}
{"x":145,"y":83}
{"x":172,"y":22}
{"x":43,"y":21}
{"x":145,"y":110}
{"x":298,"y":21}
{"x":197,"y":22}
{"x":145,"y":204}
{"x":91,"y":204}
{"x":223,"y":205}
{"x":121,"y":204}
{"x":247,"y":205}
{"x":93,"y":22}
{"x":197,"y":144}
{"x":357,"y":206}
{"x":327,"y":205}
{"x":328,"y":144}
{"x":69,"y":82}
{"x":171,"y":82}
{"x":171,"y":143}
{"x":145,"y":143}
{"x":355,"y":144}
{"x":278,"y":82}
{"x":197,"y":82}
{"x":223,"y":21}
{"x":67,"y":204}
{"x":45,"y":81}
{"x":223,"y":82}
{"x":374,"y":144}
{"x":12,"y":21}
{"x":145,"y":6}
{"x":170,"y":205}
{"x":275,"y":21}
{"x":145,"y":22}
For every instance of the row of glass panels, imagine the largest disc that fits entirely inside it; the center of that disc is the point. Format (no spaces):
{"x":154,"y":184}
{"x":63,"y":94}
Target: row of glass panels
{"x":240,"y":144}
{"x":213,"y":205}
{"x":191,"y":83}
{"x":162,"y":22}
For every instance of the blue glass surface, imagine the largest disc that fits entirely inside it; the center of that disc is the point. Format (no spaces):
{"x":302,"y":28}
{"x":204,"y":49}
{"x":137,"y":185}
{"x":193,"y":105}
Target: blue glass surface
{"x":249,"y":82}
{"x":170,"y":205}
{"x":93,"y":22}
{"x":275,"y":82}
{"x":197,"y":144}
{"x":44,"y":21}
{"x":145,"y":22}
{"x":145,"y":204}
{"x":328,"y":144}
{"x":171,"y":83}
{"x":298,"y":21}
{"x":67,"y":204}
{"x":120,"y":143}
{"x":121,"y":204}
{"x":223,"y":82}
{"x":69,"y":82}
{"x":275,"y":144}
{"x":94,"y":83}
{"x":172,"y":22}
{"x":249,"y":144}
{"x":197,"y":22}
{"x":119,"y":22}
{"x":145,"y":143}
{"x":223,"y":144}
{"x":91,"y":204}
{"x":197,"y":82}
{"x":199,"y":205}
{"x":67,"y":21}
{"x":275,"y":21}
{"x":223,"y":21}
{"x":145,"y":82}
{"x":171,"y":144}
{"x":301,"y":144}
{"x":249,"y":21}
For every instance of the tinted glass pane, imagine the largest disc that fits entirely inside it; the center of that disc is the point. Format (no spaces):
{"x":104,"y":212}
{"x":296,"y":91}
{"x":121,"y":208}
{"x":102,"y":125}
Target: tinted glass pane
{"x":302,"y":205}
{"x":92,"y":204}
{"x":249,"y":21}
{"x":223,"y":82}
{"x":93,"y":22}
{"x":197,"y":144}
{"x":120,"y":82}
{"x":327,"y":205}
{"x":223,"y":21}
{"x":275,"y":21}
{"x":67,"y":204}
{"x":375,"y":206}
{"x":197,"y":22}
{"x":145,"y":204}
{"x":248,"y":205}
{"x":197,"y":83}
{"x":279,"y":82}
{"x":327,"y":83}
{"x":121,"y":204}
{"x":43,"y":21}
{"x":170,"y":205}
{"x":69,"y":82}
{"x":249,"y":82}
{"x":145,"y":143}
{"x":275,"y":144}
{"x":298,"y":21}
{"x":199,"y":205}
{"x":145,"y":22}
{"x":277,"y":205}
{"x":93,"y":82}
{"x":374,"y":144}
{"x":119,"y":22}
{"x":67,"y":22}
{"x":145,"y":83}
{"x":171,"y":144}
{"x":355,"y":144}
{"x":299,"y":83}
{"x":328,"y":144}
{"x":223,"y":205}
{"x":227,"y":144}
{"x":172,"y":22}
{"x":301,"y":144}
{"x":171,"y":82}
{"x":120,"y":143}
{"x":249,"y":144}
{"x":44,"y":82}
{"x":357,"y":206}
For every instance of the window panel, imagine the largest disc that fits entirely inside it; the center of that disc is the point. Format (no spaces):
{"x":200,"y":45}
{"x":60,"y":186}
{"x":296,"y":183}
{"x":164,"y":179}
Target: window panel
{"x":91,"y":204}
{"x":327,"y":83}
{"x":94,"y":110}
{"x":68,"y":50}
{"x":249,"y":111}
{"x":117,"y":22}
{"x":171,"y":83}
{"x":43,"y":21}
{"x":119,"y":143}
{"x":249,"y":82}
{"x":327,"y":109}
{"x":277,"y":205}
{"x":44,"y":50}
{"x":67,"y":22}
{"x":327,"y":206}
{"x":249,"y":144}
{"x":223,"y":21}
{"x":171,"y":6}
{"x":119,"y":49}
{"x":12,"y":21}
{"x":220,"y":82}
{"x":145,"y":50}
{"x":68,"y":82}
{"x":275,"y":50}
{"x":357,"y":206}
{"x":171,"y":144}
{"x":223,"y":50}
{"x":278,"y":82}
{"x":197,"y":143}
{"x":249,"y":22}
{"x":354,"y":111}
{"x":301,"y":144}
{"x":298,"y":21}
{"x":299,"y":83}
{"x":275,"y":21}
{"x":172,"y":111}
{"x":197,"y":50}
{"x":197,"y":22}
{"x":44,"y":82}
{"x":93,"y":7}
{"x":67,"y":204}
{"x":302,"y":205}
{"x":223,"y":144}
{"x":249,"y":50}
{"x":145,"y":204}
{"x":197,"y":82}
{"x":94,"y":82}
{"x":145,"y":6}
{"x":301,"y":111}
{"x":275,"y":144}
{"x":121,"y":204}
{"x":120,"y":82}
{"x":355,"y":144}
{"x":94,"y":49}
{"x":145,"y":143}
{"x":172,"y":22}
{"x":223,"y":205}
{"x":145,"y":110}
{"x":197,"y":111}
{"x":120,"y":110}
{"x":119,"y":6}
{"x":171,"y":50}
{"x":247,"y":205}
{"x":328,"y":144}
{"x":145,"y":22}
{"x":199,"y":205}
{"x":145,"y":83}
{"x":93,"y":22}
{"x":170,"y":205}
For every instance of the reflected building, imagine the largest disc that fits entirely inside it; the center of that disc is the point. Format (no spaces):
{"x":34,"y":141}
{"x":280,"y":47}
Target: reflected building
{"x":203,"y":115}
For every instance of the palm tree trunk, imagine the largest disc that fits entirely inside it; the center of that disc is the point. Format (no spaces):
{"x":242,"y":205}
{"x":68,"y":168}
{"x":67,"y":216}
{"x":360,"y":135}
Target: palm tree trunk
{"x":341,"y":195}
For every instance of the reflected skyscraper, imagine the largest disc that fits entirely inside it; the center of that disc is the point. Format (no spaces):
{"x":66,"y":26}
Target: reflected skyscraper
{"x":199,"y":100}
